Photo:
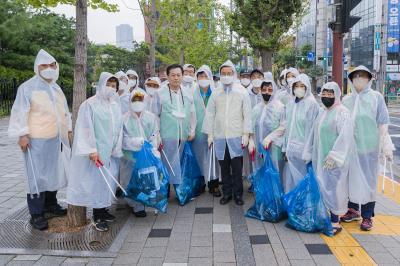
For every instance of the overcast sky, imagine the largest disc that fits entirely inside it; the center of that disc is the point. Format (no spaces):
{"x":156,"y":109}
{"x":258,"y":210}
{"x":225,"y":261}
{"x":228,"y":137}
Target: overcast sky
{"x":101,"y":24}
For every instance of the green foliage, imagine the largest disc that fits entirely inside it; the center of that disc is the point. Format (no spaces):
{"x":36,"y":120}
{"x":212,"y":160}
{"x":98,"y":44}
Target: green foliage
{"x":193,"y":30}
{"x":262,"y":23}
{"x":95,"y":4}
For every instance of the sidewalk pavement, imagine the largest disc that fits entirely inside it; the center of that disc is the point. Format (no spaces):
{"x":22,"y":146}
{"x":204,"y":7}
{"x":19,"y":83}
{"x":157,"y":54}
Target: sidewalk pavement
{"x":206,"y":233}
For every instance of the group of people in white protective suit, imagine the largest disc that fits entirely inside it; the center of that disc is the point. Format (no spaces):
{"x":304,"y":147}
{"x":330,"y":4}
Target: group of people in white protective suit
{"x":229,"y":125}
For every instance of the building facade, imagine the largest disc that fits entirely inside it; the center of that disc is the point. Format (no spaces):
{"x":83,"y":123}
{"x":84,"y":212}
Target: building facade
{"x":124,"y":36}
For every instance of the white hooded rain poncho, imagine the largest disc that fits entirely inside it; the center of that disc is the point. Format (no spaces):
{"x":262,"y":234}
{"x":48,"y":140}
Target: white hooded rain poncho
{"x":331,"y":140}
{"x":152,"y":100}
{"x":228,"y":117}
{"x":124,"y":97}
{"x":285,"y":93}
{"x":98,"y":129}
{"x":371,"y":118}
{"x":300,"y":117}
{"x":269,"y":122}
{"x":199,"y":145}
{"x":177,"y":122}
{"x":40,"y":110}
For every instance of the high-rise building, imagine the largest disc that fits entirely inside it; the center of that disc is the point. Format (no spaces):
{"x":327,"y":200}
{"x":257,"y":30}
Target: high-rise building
{"x":124,"y":36}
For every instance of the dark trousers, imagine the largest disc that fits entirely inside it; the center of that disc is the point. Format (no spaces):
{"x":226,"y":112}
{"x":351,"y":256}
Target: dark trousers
{"x":97,"y":213}
{"x":367,"y":210}
{"x":334,"y":218}
{"x":37,"y":204}
{"x":212,"y":184}
{"x":231,"y":171}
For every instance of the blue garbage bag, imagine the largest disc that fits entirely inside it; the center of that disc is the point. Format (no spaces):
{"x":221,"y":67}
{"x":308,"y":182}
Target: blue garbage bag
{"x":268,"y":193}
{"x":149,"y":180}
{"x":305,"y":206}
{"x":192,"y":179}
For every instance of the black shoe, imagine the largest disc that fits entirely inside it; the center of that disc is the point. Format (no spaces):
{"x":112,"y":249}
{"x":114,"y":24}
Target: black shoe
{"x":39,"y":223}
{"x":225,"y":200}
{"x":106,"y":216}
{"x":140,"y":214}
{"x":119,"y":193}
{"x":100,"y":225}
{"x":215,"y":192}
{"x":202,"y":189}
{"x":54,"y":211}
{"x":239,"y":201}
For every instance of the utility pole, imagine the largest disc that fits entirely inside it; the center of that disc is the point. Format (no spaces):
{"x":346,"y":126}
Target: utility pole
{"x":341,"y":25}
{"x":153,"y":22}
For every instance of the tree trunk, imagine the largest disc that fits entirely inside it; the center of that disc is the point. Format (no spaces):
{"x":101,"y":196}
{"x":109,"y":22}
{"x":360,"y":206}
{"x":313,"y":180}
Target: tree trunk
{"x":77,"y":214}
{"x":181,"y":56}
{"x":266,"y":59}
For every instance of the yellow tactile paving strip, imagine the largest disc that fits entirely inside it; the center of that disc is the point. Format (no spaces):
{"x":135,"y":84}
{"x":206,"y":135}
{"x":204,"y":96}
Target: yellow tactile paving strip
{"x":346,"y":249}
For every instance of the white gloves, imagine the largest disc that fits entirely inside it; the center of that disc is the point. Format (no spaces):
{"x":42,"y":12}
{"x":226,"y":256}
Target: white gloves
{"x":386,"y":144}
{"x":245,"y":140}
{"x":329,"y":164}
{"x":210,"y":141}
{"x":266,"y":142}
{"x":252,"y":146}
{"x":137,"y":143}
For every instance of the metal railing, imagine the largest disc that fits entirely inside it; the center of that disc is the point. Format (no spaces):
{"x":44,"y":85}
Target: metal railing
{"x":8,"y":92}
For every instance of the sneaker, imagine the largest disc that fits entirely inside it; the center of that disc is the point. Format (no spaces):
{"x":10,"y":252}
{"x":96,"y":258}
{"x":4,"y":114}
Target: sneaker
{"x":238,"y":200}
{"x":54,"y":211}
{"x":140,"y":214}
{"x":225,"y":200}
{"x":106,"y":216}
{"x":100,"y":225}
{"x":351,"y":215}
{"x":366,"y":224}
{"x":39,"y":223}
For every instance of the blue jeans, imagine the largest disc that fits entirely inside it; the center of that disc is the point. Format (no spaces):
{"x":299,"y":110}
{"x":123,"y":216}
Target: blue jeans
{"x":367,"y":210}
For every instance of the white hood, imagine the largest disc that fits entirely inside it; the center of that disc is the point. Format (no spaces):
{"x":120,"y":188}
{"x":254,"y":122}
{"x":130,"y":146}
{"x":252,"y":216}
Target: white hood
{"x":335,"y":87}
{"x":102,"y":84}
{"x":44,"y":57}
{"x":206,"y":69}
{"x":303,"y":78}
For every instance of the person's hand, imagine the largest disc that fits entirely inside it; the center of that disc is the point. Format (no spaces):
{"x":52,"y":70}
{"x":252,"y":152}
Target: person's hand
{"x":24,"y":142}
{"x":266,"y":143}
{"x":252,"y":146}
{"x":210,"y":141}
{"x":191,"y":137}
{"x":245,"y":140}
{"x":389,"y":156}
{"x":329,"y":164}
{"x":94,"y":157}
{"x":70,"y":138}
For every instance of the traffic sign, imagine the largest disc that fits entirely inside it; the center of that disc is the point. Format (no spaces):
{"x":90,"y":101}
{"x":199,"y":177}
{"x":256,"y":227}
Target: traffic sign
{"x":310,"y":56}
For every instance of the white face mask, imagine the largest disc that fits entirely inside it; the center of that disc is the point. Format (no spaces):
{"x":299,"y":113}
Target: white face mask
{"x":290,"y":80}
{"x":122,"y":87}
{"x":188,"y":79}
{"x":283,"y":82}
{"x":132,"y":83}
{"x":360,"y":83}
{"x":137,"y":107}
{"x":245,"y":82}
{"x":299,"y":92}
{"x":204,"y":83}
{"x":110,"y":92}
{"x":50,"y":73}
{"x":226,"y":80}
{"x":150,"y":90}
{"x":256,"y":83}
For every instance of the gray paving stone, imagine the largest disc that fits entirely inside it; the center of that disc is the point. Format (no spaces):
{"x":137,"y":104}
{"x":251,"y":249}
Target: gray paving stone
{"x":395,"y":252}
{"x":50,"y":261}
{"x":75,"y":262}
{"x":179,"y":245}
{"x":387,"y":241}
{"x":224,"y":256}
{"x":21,"y":263}
{"x":154,"y":252}
{"x":280,"y":254}
{"x":201,"y":252}
{"x":201,"y":241}
{"x":264,"y":255}
{"x":4,"y":259}
{"x":150,"y":262}
{"x":297,"y":253}
{"x":382,"y":257}
{"x":325,"y":260}
{"x":176,"y":257}
{"x":123,"y":259}
{"x":28,"y":257}
{"x":200,"y":262}
{"x":157,"y":242}
{"x":101,"y":261}
{"x":129,"y":247}
{"x":302,"y":262}
{"x":375,"y":247}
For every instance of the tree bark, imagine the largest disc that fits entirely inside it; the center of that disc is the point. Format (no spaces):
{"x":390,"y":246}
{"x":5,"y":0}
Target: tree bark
{"x":181,"y":56}
{"x":266,"y":59}
{"x":77,"y":214}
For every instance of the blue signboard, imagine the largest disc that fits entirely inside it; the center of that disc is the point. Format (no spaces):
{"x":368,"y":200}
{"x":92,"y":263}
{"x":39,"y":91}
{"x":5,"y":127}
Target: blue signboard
{"x":393,"y":31}
{"x":310,"y":56}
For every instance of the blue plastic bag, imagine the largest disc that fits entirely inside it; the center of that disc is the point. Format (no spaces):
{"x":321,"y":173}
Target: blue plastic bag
{"x":149,"y":180}
{"x":192,"y":179}
{"x":268,"y":193}
{"x":305,"y":206}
